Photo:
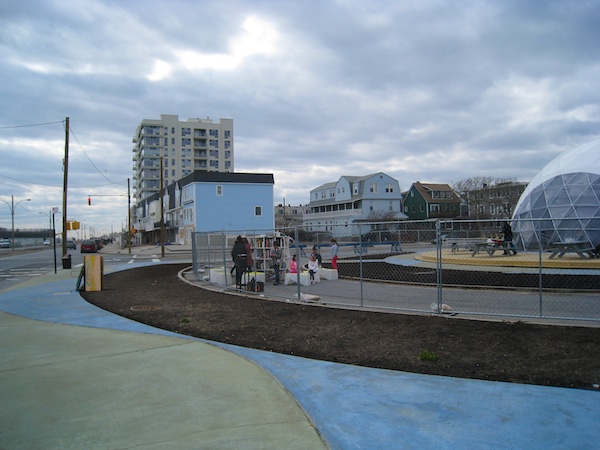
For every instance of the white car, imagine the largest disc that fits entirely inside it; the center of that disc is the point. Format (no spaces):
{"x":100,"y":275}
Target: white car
{"x":47,"y":242}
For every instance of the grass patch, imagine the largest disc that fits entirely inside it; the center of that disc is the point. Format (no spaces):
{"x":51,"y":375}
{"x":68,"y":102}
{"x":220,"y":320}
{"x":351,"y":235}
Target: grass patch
{"x":426,"y":355}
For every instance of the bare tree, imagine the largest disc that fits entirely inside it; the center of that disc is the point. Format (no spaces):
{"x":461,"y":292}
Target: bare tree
{"x":485,"y":197}
{"x":471,"y":184}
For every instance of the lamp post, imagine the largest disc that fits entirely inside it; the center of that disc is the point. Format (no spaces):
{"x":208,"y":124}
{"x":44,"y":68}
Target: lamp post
{"x":49,"y":215}
{"x":12,"y":205}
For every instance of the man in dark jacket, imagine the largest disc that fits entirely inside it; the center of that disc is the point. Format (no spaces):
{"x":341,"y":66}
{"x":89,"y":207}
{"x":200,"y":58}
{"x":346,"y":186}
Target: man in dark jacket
{"x":240,"y":259}
{"x":508,"y":237}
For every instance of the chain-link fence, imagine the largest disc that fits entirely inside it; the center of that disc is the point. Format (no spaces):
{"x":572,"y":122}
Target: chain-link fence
{"x":435,"y":266}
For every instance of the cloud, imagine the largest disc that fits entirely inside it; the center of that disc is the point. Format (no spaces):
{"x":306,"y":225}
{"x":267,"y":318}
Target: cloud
{"x":256,"y":37}
{"x":429,"y":91}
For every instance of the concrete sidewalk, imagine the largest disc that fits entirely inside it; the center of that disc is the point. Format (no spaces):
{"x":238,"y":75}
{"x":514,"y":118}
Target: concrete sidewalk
{"x":75,"y":376}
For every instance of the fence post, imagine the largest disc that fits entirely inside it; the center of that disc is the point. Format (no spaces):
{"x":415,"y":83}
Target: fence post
{"x":360,"y":267}
{"x":224,"y":249}
{"x":208,"y":254}
{"x":298,"y":264}
{"x":540,"y":283}
{"x":194,"y":256}
{"x":438,"y":246}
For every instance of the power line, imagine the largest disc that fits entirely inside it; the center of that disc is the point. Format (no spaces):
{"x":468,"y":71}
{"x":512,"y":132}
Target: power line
{"x":78,"y":143}
{"x":59,"y":186}
{"x":31,"y":125}
{"x":90,"y":159}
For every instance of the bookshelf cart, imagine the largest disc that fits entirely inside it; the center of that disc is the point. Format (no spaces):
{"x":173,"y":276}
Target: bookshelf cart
{"x":261,"y":251}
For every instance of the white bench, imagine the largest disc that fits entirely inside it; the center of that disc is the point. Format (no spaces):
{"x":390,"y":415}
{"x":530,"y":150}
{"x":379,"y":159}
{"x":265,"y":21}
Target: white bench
{"x":292,"y":278}
{"x":328,"y":274}
{"x":218,"y":276}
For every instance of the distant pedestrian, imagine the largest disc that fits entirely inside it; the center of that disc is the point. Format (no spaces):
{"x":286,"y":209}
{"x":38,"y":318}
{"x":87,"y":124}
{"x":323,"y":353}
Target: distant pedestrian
{"x":276,"y":258}
{"x":249,"y":260}
{"x":508,"y":237}
{"x":240,"y":260}
{"x":334,"y":253}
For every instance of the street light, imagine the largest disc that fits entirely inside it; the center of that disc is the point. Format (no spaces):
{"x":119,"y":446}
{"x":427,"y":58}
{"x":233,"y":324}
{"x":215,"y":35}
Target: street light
{"x":49,"y":215}
{"x":12,"y":205}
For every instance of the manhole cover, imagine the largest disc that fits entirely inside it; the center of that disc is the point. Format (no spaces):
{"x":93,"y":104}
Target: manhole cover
{"x":145,"y":308}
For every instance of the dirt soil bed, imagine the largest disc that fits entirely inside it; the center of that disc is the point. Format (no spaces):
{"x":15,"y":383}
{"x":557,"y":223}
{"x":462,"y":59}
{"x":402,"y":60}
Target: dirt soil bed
{"x":551,"y":355}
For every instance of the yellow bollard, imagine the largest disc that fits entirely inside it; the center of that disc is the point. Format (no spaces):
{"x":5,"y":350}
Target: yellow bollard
{"x":94,"y":269}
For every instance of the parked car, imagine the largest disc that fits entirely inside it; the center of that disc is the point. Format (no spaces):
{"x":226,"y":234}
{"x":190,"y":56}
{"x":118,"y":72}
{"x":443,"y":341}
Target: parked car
{"x":88,"y":246}
{"x":71,"y":243}
{"x":47,"y":242}
{"x":5,"y":243}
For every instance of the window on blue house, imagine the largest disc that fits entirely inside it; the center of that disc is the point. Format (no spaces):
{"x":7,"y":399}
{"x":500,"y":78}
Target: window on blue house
{"x":258,"y":211}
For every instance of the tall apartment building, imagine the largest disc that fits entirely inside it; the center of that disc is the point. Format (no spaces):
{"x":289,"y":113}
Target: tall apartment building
{"x":183,"y":146}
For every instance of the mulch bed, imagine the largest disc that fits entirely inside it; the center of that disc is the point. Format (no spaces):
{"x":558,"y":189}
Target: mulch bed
{"x":550,"y":355}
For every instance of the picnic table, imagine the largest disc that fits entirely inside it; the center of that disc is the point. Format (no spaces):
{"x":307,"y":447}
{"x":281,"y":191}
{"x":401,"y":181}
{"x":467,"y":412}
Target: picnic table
{"x":490,"y":247}
{"x":395,"y":246}
{"x":457,"y":245}
{"x":582,"y":248}
{"x":301,"y":248}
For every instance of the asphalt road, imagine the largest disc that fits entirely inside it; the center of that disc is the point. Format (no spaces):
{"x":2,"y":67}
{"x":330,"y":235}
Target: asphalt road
{"x":29,"y":262}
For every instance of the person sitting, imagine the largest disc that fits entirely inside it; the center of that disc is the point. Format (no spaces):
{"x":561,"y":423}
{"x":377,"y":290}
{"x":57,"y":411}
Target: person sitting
{"x":317,"y":255}
{"x":313,"y":267}
{"x":293,"y":265}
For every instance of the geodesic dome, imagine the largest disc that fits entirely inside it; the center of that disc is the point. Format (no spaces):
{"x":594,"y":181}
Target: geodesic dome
{"x":562,"y":202}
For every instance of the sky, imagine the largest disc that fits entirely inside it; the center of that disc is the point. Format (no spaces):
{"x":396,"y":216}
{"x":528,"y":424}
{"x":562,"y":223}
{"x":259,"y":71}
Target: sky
{"x":423,"y":90}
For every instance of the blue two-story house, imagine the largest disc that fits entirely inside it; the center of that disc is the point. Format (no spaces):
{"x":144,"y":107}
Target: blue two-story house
{"x":208,"y":201}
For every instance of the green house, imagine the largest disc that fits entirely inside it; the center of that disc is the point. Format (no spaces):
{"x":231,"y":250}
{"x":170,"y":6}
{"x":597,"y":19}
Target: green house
{"x":430,"y":201}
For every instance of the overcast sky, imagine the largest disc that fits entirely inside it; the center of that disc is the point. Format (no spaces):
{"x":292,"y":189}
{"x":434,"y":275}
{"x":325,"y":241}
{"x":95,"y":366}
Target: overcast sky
{"x":423,"y":90}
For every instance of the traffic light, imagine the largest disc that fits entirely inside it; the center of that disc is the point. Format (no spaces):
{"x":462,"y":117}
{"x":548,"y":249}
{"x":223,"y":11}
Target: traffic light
{"x":89,"y":201}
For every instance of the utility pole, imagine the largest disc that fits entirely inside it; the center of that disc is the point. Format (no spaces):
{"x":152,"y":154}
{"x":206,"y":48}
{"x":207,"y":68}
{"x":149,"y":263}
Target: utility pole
{"x":162,"y":213}
{"x":65,"y":179}
{"x":53,"y":211}
{"x":128,"y":216}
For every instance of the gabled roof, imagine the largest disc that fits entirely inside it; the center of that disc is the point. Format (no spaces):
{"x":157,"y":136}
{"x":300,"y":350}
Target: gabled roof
{"x":425,"y":189}
{"x":330,"y":185}
{"x":349,"y":178}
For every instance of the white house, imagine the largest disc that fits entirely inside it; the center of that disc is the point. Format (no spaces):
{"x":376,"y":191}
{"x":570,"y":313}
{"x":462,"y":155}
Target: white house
{"x":334,"y":207}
